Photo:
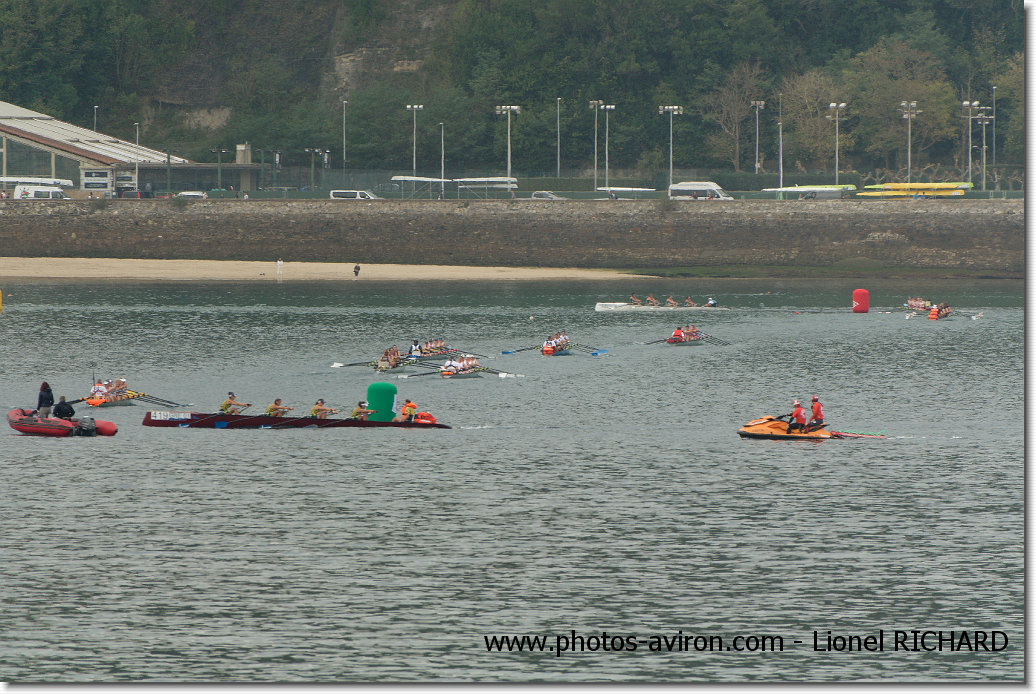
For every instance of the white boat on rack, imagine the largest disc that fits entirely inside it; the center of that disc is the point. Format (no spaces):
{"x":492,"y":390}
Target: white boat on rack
{"x":626,"y":306}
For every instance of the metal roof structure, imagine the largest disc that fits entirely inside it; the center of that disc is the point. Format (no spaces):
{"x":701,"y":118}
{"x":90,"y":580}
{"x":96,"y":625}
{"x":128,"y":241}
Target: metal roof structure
{"x":74,"y":142}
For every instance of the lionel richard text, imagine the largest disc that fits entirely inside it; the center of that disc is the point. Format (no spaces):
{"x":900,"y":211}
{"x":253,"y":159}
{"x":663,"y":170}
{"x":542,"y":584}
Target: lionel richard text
{"x":913,"y":640}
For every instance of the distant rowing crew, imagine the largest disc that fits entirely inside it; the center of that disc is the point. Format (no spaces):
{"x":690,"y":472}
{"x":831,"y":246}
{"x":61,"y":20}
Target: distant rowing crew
{"x":650,"y":300}
{"x":688,"y":333}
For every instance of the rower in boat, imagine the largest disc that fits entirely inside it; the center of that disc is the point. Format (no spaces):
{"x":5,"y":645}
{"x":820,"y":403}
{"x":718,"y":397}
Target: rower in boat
{"x":691,"y":333}
{"x":232,"y":406}
{"x":944,"y":310}
{"x":277,"y":409}
{"x":670,"y":301}
{"x":634,"y":300}
{"x":320,"y":410}
{"x":712,"y":303}
{"x":415,"y":350}
{"x":652,"y":301}
{"x":678,"y":335}
{"x":98,"y":391}
{"x":361,"y":412}
{"x":451,"y":366}
{"x":688,"y":301}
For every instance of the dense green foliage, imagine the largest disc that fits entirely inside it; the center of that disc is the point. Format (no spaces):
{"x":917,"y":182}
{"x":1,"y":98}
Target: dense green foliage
{"x":268,"y":73}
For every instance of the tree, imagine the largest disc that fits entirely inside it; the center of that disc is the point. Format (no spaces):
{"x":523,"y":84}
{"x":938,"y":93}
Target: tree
{"x":806,"y":130}
{"x":729,"y":105}
{"x":878,"y":79}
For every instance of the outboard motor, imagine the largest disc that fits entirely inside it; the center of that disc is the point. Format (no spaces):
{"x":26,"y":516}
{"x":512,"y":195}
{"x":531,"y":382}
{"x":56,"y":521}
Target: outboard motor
{"x":86,"y":427}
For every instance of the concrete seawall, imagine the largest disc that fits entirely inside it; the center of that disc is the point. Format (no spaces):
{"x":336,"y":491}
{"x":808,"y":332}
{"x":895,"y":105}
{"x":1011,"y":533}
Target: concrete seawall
{"x":973,"y":235}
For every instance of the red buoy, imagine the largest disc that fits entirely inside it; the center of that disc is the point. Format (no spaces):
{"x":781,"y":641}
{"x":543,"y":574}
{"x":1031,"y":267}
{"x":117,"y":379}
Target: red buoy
{"x":861,"y":301}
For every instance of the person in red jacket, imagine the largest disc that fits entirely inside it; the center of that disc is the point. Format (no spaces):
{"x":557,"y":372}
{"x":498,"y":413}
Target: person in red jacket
{"x":816,"y":421}
{"x":798,"y":419}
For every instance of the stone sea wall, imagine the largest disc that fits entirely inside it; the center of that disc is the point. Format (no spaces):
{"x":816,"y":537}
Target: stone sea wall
{"x":976,"y":235}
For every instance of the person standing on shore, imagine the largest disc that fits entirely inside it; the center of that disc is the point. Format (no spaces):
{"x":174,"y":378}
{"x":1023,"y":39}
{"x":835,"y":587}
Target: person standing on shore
{"x":356,"y":271}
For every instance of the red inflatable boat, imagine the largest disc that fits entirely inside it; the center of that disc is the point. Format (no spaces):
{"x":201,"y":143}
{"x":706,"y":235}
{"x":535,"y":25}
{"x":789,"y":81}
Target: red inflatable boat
{"x":26,"y":422}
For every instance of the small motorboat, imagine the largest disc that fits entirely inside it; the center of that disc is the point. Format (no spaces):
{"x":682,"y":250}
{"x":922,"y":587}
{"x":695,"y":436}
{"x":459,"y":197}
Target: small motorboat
{"x":770,"y":427}
{"x":25,"y":422}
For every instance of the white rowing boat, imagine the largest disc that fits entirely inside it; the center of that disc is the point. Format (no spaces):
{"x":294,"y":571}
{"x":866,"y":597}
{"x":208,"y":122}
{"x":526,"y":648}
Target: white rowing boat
{"x":626,"y":306}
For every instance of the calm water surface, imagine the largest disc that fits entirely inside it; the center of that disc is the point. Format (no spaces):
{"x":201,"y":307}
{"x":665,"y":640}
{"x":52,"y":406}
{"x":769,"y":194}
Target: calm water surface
{"x":595,"y":494}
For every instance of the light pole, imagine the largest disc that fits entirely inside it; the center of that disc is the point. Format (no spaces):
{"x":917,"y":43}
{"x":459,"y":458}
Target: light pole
{"x":983,"y":119}
{"x":909,"y":110}
{"x":415,"y":108}
{"x":219,"y":152}
{"x":312,"y":167}
{"x":994,"y":126}
{"x":500,"y":110}
{"x":442,"y":161}
{"x":757,"y":105}
{"x":136,"y":159}
{"x":595,"y":104}
{"x":671,"y":110}
{"x":836,"y":113}
{"x":607,"y":108}
{"x":559,"y":137}
{"x":344,"y":102}
{"x":95,"y":116}
{"x":780,"y":141}
{"x":969,"y":105}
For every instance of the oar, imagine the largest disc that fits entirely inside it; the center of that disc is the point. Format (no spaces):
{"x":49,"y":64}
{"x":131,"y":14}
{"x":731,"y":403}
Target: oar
{"x":426,"y":373}
{"x":714,"y":340}
{"x":355,"y":363}
{"x":523,"y":349}
{"x":593,"y":351}
{"x":464,"y":351}
{"x":655,"y":342}
{"x":503,"y":374}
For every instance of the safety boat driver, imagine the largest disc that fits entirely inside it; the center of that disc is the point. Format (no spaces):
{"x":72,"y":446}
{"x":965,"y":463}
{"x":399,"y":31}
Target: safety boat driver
{"x":798,"y":419}
{"x":816,"y":421}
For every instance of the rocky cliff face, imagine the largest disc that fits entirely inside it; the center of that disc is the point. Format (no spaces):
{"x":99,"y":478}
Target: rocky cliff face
{"x":974,"y":235}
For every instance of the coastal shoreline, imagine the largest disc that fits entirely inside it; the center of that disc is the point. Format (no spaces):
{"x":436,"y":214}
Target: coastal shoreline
{"x":243,"y":270}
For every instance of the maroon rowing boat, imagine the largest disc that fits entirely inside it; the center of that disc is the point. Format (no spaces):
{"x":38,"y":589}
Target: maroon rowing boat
{"x":219,"y":420}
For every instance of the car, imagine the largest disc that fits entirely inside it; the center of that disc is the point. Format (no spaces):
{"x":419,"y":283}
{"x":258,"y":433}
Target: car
{"x":546,"y":195}
{"x":353,"y":195}
{"x":136,"y":194}
{"x":192,"y":194}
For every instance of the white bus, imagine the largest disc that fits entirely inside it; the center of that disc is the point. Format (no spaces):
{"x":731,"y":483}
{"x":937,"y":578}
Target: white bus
{"x":697,"y":190}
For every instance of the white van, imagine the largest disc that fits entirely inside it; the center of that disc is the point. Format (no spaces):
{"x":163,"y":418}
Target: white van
{"x":697,"y":190}
{"x":39,"y":193}
{"x":353,"y":195}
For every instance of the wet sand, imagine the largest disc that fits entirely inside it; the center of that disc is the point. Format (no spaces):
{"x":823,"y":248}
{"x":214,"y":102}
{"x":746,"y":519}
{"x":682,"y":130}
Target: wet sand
{"x":135,"y":269}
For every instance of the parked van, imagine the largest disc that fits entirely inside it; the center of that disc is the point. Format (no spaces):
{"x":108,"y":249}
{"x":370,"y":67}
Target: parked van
{"x":353,"y":195}
{"x":697,"y":190}
{"x":39,"y":193}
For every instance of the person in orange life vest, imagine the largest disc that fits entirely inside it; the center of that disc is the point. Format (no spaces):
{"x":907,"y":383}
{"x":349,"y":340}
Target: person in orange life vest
{"x":934,"y":313}
{"x":678,"y":334}
{"x":407,"y":413}
{"x":817,"y":420}
{"x":798,"y":419}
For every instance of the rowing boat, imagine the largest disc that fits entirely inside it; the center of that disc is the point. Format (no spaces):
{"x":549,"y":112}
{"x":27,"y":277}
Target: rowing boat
{"x":626,"y":306}
{"x":219,"y":420}
{"x":118,"y":400}
{"x":686,"y":342}
{"x":454,"y":375}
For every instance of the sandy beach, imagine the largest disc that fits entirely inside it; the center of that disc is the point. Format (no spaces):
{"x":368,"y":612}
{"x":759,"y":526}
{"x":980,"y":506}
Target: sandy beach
{"x":135,"y":269}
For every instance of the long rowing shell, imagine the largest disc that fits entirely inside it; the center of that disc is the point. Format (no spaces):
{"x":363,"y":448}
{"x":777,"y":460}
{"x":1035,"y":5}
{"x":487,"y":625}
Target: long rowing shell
{"x":218,"y":420}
